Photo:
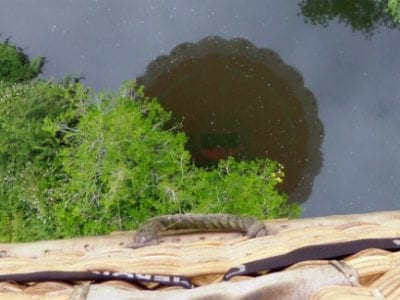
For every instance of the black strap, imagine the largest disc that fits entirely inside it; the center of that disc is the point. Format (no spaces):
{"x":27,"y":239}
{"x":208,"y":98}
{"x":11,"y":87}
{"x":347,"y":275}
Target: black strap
{"x":314,"y":252}
{"x":97,"y":276}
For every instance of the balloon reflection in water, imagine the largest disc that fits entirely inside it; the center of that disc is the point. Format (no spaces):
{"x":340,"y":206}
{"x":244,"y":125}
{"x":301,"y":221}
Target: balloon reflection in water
{"x":236,"y":99}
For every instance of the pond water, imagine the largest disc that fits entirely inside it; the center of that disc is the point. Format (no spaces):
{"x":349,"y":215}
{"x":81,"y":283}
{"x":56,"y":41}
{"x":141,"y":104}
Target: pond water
{"x":250,"y":78}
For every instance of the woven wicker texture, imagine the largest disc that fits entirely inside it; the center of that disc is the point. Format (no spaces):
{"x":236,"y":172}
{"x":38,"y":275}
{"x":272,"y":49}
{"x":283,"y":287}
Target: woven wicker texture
{"x":204,"y":258}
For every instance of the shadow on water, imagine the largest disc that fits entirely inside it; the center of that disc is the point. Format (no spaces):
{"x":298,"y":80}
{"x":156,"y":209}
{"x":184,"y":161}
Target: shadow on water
{"x":239,"y":100}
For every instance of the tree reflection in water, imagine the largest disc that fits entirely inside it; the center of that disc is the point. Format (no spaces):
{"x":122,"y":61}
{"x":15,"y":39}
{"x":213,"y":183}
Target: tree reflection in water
{"x":365,"y":16}
{"x":236,"y":99}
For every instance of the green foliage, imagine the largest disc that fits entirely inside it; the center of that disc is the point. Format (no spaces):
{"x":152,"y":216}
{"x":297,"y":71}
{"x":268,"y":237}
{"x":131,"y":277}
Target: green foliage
{"x":240,"y":187}
{"x":73,"y":165}
{"x":15,"y":65}
{"x":28,"y":153}
{"x":121,"y":156}
{"x":361,"y":15}
{"x":125,"y":166}
{"x":394,"y":9}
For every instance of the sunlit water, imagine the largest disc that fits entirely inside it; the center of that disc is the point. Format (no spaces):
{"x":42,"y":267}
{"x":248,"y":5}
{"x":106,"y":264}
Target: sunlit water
{"x":338,"y":93}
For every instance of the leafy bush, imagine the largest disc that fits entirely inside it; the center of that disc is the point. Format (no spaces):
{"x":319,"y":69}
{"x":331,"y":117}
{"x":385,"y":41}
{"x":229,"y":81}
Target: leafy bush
{"x":15,"y":65}
{"x":119,"y":159}
{"x":125,"y":166}
{"x":28,"y":153}
{"x":73,"y":164}
{"x":240,"y":187}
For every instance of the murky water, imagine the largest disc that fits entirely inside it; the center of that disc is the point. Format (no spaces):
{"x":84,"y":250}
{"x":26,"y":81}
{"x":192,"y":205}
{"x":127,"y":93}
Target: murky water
{"x":251,"y":79}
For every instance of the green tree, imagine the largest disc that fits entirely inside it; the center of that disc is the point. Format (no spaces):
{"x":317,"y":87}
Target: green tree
{"x":77,"y":163}
{"x":125,"y":166}
{"x":28,"y":153}
{"x":361,"y":15}
{"x":239,"y":187}
{"x":15,"y":65}
{"x":119,"y":158}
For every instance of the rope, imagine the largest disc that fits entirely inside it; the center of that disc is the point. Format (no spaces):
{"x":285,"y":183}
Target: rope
{"x":160,"y":226}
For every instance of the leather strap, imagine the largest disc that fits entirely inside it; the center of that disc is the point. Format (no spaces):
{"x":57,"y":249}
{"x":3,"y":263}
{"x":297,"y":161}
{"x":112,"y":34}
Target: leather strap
{"x":314,"y":252}
{"x":97,"y":276}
